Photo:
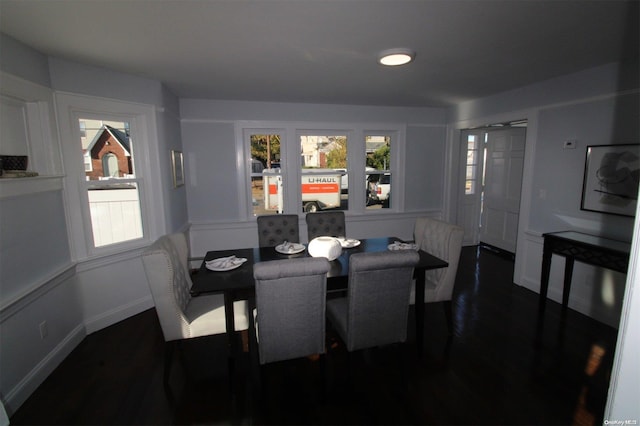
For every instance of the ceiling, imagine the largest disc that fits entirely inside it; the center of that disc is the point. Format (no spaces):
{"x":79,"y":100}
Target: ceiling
{"x":315,"y":51}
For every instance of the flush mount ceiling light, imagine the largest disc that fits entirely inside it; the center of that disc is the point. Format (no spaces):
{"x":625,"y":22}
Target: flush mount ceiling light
{"x":394,"y":57}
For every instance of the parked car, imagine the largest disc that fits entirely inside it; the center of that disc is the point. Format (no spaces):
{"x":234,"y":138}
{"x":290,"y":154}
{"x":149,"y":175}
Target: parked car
{"x":379,"y":189}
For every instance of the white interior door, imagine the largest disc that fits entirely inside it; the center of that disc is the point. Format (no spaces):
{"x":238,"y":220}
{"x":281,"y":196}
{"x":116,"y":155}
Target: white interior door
{"x":504,"y":164}
{"x":472,"y":144}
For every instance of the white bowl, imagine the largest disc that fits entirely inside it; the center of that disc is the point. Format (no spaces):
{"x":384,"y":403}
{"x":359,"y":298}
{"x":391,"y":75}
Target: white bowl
{"x":328,"y":247}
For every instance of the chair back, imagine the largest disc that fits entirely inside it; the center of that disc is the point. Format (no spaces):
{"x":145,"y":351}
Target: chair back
{"x":276,"y":229}
{"x":165,"y":264}
{"x":330,"y":224}
{"x":291,"y":306}
{"x":378,"y":298}
{"x":443,"y":240}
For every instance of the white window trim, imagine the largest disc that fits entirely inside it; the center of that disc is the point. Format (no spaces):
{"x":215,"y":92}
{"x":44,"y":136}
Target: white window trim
{"x":398,"y":155}
{"x":328,"y":130}
{"x":70,"y":107}
{"x":290,"y":148}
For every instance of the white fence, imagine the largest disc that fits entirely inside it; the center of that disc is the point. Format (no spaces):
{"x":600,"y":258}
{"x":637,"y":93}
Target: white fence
{"x":115,"y":215}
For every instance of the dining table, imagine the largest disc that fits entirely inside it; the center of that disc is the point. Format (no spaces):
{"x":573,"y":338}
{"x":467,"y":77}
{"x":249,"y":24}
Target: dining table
{"x":238,"y":283}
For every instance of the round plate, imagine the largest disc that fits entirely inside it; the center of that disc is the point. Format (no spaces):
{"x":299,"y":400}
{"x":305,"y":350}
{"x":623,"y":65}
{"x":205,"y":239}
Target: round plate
{"x":224,"y":264}
{"x":349,"y":242}
{"x":293,"y":248}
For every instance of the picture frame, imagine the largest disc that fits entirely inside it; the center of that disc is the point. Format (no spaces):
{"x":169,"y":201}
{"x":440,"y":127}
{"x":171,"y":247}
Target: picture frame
{"x":177,"y":166}
{"x":610,"y":183}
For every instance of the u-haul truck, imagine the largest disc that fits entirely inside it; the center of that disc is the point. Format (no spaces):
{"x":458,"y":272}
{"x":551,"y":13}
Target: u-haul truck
{"x":320,"y":189}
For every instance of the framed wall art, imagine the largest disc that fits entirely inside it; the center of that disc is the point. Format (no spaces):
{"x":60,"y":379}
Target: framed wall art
{"x":177,"y":166}
{"x":611,"y":175}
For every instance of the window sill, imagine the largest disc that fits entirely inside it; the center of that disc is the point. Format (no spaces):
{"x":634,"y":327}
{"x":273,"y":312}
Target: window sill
{"x":13,"y":187}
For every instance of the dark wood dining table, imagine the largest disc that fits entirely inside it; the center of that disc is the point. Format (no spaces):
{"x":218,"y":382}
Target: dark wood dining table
{"x":239,"y":284}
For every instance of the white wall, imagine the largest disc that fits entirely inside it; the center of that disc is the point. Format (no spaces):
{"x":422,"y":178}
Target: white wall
{"x":26,"y":356}
{"x":587,"y":107}
{"x":210,"y":131}
{"x":40,"y":280}
{"x":37,"y":274}
{"x":622,"y":402}
{"x":71,"y":302}
{"x":596,"y":106}
{"x":73,"y":77}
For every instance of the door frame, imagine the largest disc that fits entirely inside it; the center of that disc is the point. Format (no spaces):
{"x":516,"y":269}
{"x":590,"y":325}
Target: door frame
{"x":472,"y":237}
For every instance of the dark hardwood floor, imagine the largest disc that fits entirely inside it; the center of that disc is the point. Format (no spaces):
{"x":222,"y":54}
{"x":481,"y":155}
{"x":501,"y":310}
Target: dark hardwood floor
{"x":503,"y":365}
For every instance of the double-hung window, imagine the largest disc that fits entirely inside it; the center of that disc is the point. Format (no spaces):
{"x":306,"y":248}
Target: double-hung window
{"x":112,"y":189}
{"x":105,"y":144}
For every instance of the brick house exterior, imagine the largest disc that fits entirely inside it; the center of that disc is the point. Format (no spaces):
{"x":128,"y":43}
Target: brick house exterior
{"x":110,"y":149}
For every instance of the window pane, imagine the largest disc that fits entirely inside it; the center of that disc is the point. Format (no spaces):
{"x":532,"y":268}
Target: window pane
{"x":471,"y":172}
{"x":378,"y":175}
{"x":470,"y":187}
{"x":472,"y":142}
{"x":115,"y":212}
{"x":472,"y":165}
{"x":267,"y":195}
{"x":325,"y":182}
{"x":107,"y":150}
{"x":112,"y":192}
{"x":472,"y":157}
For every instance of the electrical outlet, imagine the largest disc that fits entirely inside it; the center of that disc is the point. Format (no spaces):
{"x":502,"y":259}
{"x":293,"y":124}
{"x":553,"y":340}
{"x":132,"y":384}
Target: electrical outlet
{"x":569,"y":144}
{"x":44,"y":330}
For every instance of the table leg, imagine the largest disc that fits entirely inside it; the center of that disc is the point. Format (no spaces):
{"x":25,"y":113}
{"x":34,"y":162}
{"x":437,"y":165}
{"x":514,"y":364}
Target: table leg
{"x":254,"y":379}
{"x":568,"y":273}
{"x":229,"y":315}
{"x":544,"y":279}
{"x":230,"y":324}
{"x":419,"y":309}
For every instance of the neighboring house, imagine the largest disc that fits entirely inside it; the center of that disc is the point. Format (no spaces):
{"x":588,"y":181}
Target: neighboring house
{"x":108,"y":154}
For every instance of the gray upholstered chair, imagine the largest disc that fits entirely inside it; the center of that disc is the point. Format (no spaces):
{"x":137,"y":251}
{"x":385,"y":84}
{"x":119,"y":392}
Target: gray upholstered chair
{"x":443,"y":240}
{"x":376,"y":309}
{"x":276,"y":229}
{"x":182,"y":316}
{"x":329,"y":223}
{"x":290,"y":308}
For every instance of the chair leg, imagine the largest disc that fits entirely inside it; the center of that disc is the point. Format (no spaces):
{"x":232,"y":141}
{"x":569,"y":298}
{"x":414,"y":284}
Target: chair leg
{"x":169,"y":349}
{"x":448,"y":312}
{"x":323,"y":377}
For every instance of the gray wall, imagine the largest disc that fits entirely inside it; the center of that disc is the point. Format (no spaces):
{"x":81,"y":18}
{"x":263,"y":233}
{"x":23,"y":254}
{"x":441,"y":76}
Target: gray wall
{"x":30,"y":253}
{"x":211,"y":129}
{"x":559,"y":172}
{"x":19,"y":59}
{"x":594,"y":106}
{"x":37,"y":282}
{"x":75,"y":77}
{"x":208,"y":133}
{"x":40,"y":281}
{"x":598,"y":106}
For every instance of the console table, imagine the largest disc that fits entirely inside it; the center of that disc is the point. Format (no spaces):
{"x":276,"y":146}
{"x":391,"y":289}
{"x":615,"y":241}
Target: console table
{"x":591,"y":249}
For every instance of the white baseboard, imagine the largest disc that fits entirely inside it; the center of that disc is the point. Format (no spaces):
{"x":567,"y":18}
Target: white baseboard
{"x":19,"y":394}
{"x":117,"y":314}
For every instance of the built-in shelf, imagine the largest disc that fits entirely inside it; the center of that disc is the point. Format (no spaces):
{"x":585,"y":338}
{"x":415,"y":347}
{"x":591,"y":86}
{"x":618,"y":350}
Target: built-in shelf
{"x":13,"y":187}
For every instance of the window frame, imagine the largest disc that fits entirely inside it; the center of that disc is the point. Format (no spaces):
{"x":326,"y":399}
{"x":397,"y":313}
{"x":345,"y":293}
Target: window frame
{"x":141,"y":118}
{"x":396,"y":172}
{"x":326,"y":132}
{"x":290,"y":133}
{"x":244,"y":162}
